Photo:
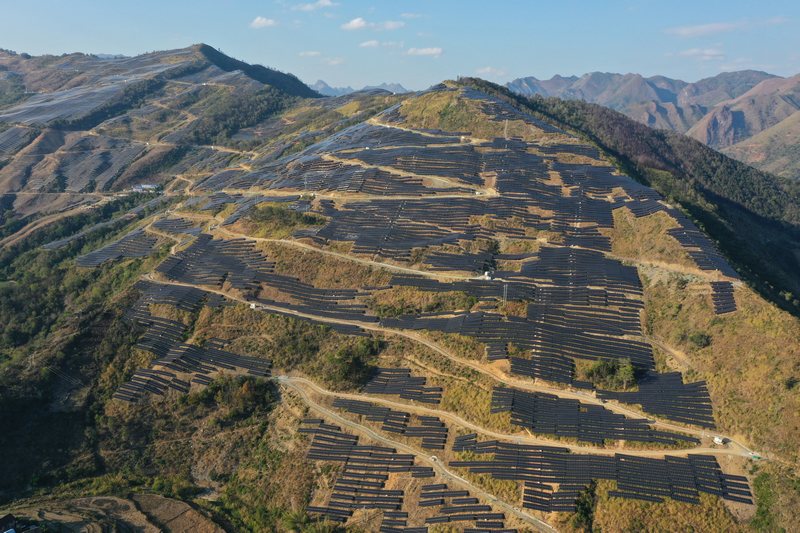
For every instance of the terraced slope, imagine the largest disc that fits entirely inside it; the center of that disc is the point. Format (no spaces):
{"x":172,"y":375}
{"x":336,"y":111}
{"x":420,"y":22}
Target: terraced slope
{"x":433,"y":311}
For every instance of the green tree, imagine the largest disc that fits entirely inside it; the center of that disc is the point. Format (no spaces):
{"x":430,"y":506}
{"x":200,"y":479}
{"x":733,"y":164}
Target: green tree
{"x":585,"y":505}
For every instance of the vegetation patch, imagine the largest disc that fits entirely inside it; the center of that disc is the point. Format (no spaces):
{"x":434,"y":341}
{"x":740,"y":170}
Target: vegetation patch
{"x":408,"y":300}
{"x":278,"y":222}
{"x":609,"y":374}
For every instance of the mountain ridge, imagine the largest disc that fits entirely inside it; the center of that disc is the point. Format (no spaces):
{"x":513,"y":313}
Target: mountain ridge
{"x":323,"y":88}
{"x":720,"y":110}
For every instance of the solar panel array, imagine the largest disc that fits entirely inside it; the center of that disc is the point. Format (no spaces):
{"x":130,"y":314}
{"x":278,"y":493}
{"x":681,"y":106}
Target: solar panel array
{"x":551,"y":343}
{"x":456,"y":506}
{"x":579,"y":303}
{"x":209,"y":261}
{"x":553,"y":477}
{"x":15,"y":138}
{"x":177,"y":364}
{"x":178,"y":226}
{"x":400,"y":381}
{"x":699,"y":247}
{"x":182,"y":297}
{"x":666,"y":395}
{"x":722,"y":297}
{"x":431,"y":430}
{"x":546,"y":413}
{"x":362,"y":479}
{"x":133,"y":245}
{"x":361,"y":484}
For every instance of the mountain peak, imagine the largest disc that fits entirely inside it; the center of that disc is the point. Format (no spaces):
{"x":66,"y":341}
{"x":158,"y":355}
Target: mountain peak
{"x":288,"y":83}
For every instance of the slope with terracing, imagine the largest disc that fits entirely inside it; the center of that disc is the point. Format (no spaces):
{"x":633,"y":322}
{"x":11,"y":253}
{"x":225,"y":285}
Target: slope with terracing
{"x":514,"y":222}
{"x":472,"y":272}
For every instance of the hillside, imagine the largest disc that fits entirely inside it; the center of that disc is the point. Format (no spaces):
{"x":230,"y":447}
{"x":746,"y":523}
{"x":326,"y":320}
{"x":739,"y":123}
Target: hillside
{"x":752,"y":215}
{"x":457,"y":309}
{"x":760,"y":108}
{"x":776,"y":149}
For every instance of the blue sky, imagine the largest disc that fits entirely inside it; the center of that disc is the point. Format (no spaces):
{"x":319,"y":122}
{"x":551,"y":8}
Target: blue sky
{"x":418,"y":43}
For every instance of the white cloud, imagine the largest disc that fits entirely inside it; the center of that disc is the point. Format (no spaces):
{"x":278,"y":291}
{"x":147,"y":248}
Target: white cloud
{"x":374,"y":43}
{"x":432,"y":51}
{"x":700,"y":30}
{"x":357,"y":23}
{"x":390,"y":25}
{"x":310,"y":53}
{"x":713,"y":28}
{"x":703,"y":54}
{"x":492,"y":72}
{"x":334,"y":61}
{"x":313,"y":6}
{"x":262,"y":22}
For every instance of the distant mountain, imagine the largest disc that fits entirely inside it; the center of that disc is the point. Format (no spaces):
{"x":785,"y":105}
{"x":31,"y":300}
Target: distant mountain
{"x":727,"y":112}
{"x":658,"y":101}
{"x":106,"y":79}
{"x":760,"y":108}
{"x":326,"y":90}
{"x":287,"y":83}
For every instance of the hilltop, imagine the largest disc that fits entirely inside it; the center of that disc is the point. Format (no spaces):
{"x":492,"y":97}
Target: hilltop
{"x":228,"y":303}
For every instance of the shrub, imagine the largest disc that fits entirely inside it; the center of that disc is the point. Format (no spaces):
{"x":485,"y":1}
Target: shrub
{"x":700,"y":339}
{"x":611,"y":373}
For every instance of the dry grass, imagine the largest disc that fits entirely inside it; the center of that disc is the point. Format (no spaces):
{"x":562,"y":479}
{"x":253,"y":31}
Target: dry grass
{"x":751,"y":365}
{"x":617,"y":514}
{"x":449,"y":111}
{"x":406,"y":300}
{"x":461,"y":345}
{"x":321,"y":270}
{"x":646,"y":238}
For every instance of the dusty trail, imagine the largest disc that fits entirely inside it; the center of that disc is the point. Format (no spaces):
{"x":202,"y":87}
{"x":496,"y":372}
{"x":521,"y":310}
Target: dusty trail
{"x":520,"y":439}
{"x":46,"y":220}
{"x":735,"y":448}
{"x":360,"y":260}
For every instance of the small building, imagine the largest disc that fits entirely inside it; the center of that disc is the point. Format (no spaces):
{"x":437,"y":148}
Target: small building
{"x":144,"y":187}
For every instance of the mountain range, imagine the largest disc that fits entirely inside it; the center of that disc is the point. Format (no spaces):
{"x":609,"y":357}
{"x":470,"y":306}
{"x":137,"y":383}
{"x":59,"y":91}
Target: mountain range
{"x":734,"y":112}
{"x":326,"y":90}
